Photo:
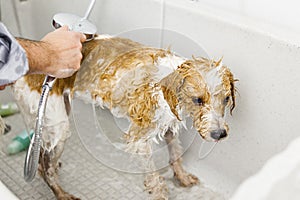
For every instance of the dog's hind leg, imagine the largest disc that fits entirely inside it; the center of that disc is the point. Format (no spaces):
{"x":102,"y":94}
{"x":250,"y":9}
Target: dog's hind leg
{"x":48,"y":169}
{"x":175,"y":150}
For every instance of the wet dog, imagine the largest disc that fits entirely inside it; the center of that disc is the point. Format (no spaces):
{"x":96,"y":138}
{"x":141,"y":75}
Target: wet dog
{"x":154,"y":88}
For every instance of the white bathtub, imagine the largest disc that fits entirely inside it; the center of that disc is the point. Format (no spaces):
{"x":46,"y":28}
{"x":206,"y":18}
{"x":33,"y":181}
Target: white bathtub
{"x":263,"y":57}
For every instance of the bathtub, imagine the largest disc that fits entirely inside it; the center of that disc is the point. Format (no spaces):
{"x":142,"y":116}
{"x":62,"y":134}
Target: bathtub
{"x":262,"y":56}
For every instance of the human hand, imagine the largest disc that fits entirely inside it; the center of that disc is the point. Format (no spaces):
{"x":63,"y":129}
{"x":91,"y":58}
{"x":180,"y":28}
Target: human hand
{"x":64,"y":50}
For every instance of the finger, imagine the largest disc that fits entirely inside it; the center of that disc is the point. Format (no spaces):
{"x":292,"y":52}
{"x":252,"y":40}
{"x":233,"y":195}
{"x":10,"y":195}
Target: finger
{"x":82,"y":38}
{"x":64,"y":73}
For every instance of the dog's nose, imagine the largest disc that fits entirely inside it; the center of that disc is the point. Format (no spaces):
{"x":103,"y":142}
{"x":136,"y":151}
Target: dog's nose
{"x":218,"y":134}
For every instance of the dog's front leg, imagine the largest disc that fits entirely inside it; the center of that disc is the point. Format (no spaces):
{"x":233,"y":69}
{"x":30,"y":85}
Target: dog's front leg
{"x":142,"y":153}
{"x":175,"y":150}
{"x":155,"y":185}
{"x":48,"y":169}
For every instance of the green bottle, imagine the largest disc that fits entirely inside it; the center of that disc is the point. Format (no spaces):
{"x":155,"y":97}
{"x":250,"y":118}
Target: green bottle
{"x":19,"y":143}
{"x":8,"y":109}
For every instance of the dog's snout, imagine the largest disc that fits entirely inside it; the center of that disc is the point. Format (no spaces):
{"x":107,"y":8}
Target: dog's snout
{"x":218,"y":134}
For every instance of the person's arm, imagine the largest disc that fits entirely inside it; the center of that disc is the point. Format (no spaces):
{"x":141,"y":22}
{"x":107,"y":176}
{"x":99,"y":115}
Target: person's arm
{"x":13,"y":61}
{"x":58,"y":54}
{"x":37,"y":53}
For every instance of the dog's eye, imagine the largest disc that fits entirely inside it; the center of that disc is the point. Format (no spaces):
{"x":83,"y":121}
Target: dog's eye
{"x":197,"y":100}
{"x":226,"y":100}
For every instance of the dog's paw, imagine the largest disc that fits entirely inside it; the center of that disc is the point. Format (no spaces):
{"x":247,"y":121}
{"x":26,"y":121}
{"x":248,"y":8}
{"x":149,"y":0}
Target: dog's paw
{"x":67,"y":196}
{"x":157,"y":188}
{"x":187,"y":180}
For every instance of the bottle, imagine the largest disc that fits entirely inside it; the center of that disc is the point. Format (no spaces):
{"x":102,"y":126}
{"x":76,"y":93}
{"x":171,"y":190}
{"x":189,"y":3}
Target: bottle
{"x":19,"y":143}
{"x":8,"y":109}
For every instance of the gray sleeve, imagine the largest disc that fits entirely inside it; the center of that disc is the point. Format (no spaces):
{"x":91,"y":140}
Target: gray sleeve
{"x":13,"y":60}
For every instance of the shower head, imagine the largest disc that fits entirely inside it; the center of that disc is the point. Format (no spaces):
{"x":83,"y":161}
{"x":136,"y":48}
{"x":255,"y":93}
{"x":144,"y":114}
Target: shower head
{"x":77,"y":23}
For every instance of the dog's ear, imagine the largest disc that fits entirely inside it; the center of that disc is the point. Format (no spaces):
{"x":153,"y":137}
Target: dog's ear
{"x":172,"y":100}
{"x":232,"y":88}
{"x":170,"y":86}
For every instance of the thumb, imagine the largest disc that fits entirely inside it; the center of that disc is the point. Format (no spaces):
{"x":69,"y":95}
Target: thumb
{"x":63,"y":28}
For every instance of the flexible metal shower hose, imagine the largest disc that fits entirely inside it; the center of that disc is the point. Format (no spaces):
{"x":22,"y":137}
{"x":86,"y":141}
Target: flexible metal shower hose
{"x":32,"y":156}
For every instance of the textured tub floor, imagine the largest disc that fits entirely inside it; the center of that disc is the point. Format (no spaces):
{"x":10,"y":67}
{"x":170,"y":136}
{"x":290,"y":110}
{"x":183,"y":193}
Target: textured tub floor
{"x":84,"y":176}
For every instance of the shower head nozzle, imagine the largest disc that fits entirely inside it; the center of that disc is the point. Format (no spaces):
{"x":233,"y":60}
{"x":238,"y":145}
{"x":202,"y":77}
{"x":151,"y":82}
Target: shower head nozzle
{"x":75,"y":23}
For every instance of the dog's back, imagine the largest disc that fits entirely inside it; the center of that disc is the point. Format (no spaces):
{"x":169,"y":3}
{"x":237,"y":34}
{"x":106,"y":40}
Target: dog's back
{"x":118,"y":73}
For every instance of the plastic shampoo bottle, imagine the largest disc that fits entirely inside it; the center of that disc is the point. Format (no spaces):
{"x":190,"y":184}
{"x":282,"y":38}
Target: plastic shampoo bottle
{"x":20,"y":142}
{"x":8,"y":109}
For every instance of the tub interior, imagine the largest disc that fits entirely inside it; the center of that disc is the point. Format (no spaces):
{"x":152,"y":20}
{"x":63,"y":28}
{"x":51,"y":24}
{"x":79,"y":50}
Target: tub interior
{"x":262,"y":125}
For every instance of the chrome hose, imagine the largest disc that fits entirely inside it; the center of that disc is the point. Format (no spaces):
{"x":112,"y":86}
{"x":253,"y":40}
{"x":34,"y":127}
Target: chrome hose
{"x":33,"y":152}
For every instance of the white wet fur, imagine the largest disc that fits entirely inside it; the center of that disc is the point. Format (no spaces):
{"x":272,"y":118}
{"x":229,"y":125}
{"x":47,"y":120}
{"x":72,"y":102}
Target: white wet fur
{"x":167,"y":65}
{"x":56,"y":120}
{"x":213,"y":79}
